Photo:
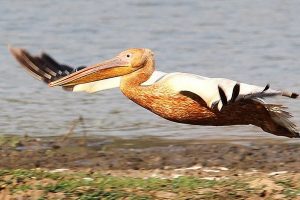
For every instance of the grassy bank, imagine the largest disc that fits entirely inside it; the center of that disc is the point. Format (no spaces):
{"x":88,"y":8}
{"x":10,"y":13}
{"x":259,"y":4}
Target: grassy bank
{"x":84,"y":184}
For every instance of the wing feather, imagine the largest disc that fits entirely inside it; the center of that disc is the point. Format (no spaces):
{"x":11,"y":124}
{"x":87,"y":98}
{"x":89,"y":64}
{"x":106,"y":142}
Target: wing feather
{"x":43,"y":66}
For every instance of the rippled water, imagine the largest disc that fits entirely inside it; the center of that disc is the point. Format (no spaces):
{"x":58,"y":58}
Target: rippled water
{"x":251,"y":41}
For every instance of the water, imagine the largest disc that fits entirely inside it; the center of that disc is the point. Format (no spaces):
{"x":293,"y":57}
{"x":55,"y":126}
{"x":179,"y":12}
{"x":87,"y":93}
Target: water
{"x":251,"y":41}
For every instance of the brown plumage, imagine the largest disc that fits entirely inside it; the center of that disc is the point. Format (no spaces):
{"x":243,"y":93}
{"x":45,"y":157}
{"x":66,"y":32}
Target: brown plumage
{"x":136,"y":66}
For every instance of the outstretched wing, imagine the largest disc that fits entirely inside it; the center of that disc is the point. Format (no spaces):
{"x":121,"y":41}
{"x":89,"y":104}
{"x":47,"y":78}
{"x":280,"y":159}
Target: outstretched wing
{"x":218,"y":92}
{"x":46,"y":69}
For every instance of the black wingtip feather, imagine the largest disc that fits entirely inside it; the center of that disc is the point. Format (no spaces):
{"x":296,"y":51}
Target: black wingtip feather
{"x":267,"y":87}
{"x":294,"y":95}
{"x":235,"y":92}
{"x":222,"y":96}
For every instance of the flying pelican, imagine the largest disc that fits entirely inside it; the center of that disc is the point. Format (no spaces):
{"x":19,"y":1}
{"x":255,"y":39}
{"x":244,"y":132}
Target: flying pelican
{"x":178,"y":97}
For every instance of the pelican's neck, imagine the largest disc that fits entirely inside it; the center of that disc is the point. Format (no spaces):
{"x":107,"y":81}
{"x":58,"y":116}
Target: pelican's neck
{"x":134,"y":80}
{"x":131,"y":85}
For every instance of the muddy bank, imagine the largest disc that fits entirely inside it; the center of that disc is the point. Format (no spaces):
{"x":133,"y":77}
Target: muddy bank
{"x":147,"y":153}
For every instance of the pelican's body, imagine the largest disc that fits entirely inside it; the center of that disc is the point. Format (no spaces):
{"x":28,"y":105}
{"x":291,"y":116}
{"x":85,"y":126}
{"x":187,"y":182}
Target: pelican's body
{"x":170,"y":104}
{"x":178,"y":97}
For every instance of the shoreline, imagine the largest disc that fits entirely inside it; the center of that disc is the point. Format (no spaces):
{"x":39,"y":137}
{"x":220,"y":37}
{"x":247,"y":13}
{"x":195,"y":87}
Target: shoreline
{"x":146,"y":153}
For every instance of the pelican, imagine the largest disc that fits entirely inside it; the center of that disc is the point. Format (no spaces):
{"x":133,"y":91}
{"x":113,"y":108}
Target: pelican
{"x":178,"y":97}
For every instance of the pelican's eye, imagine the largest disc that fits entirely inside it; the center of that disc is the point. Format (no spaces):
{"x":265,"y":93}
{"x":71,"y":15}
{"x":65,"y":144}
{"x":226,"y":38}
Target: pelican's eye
{"x":128,"y":55}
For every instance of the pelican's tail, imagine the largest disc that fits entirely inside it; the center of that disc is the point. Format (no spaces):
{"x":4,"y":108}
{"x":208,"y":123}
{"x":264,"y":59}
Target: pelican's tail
{"x":279,"y":123}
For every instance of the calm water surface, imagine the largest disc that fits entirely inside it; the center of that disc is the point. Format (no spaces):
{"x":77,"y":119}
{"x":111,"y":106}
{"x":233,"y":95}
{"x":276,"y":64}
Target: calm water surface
{"x":251,"y":41}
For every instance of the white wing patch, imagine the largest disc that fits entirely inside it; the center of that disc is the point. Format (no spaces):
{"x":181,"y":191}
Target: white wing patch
{"x":98,"y":85}
{"x":208,"y":88}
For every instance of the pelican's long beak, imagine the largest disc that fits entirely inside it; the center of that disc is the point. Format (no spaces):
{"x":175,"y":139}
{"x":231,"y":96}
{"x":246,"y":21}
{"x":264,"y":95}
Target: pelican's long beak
{"x":107,"y":69}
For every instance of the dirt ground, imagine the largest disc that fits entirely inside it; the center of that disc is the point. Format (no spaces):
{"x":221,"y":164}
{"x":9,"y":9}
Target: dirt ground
{"x":147,"y":153}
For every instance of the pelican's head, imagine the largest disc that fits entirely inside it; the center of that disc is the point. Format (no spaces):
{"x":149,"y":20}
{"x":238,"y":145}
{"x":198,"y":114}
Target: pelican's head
{"x":136,"y":58}
{"x":124,"y":63}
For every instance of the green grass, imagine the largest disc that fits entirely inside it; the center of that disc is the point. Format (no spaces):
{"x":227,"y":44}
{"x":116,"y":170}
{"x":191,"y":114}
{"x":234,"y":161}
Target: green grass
{"x":290,"y":191}
{"x":98,"y":186}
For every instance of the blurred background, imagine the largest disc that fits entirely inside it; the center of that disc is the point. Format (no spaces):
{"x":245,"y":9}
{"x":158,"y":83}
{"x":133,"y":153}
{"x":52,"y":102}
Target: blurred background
{"x":254,"y":41}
